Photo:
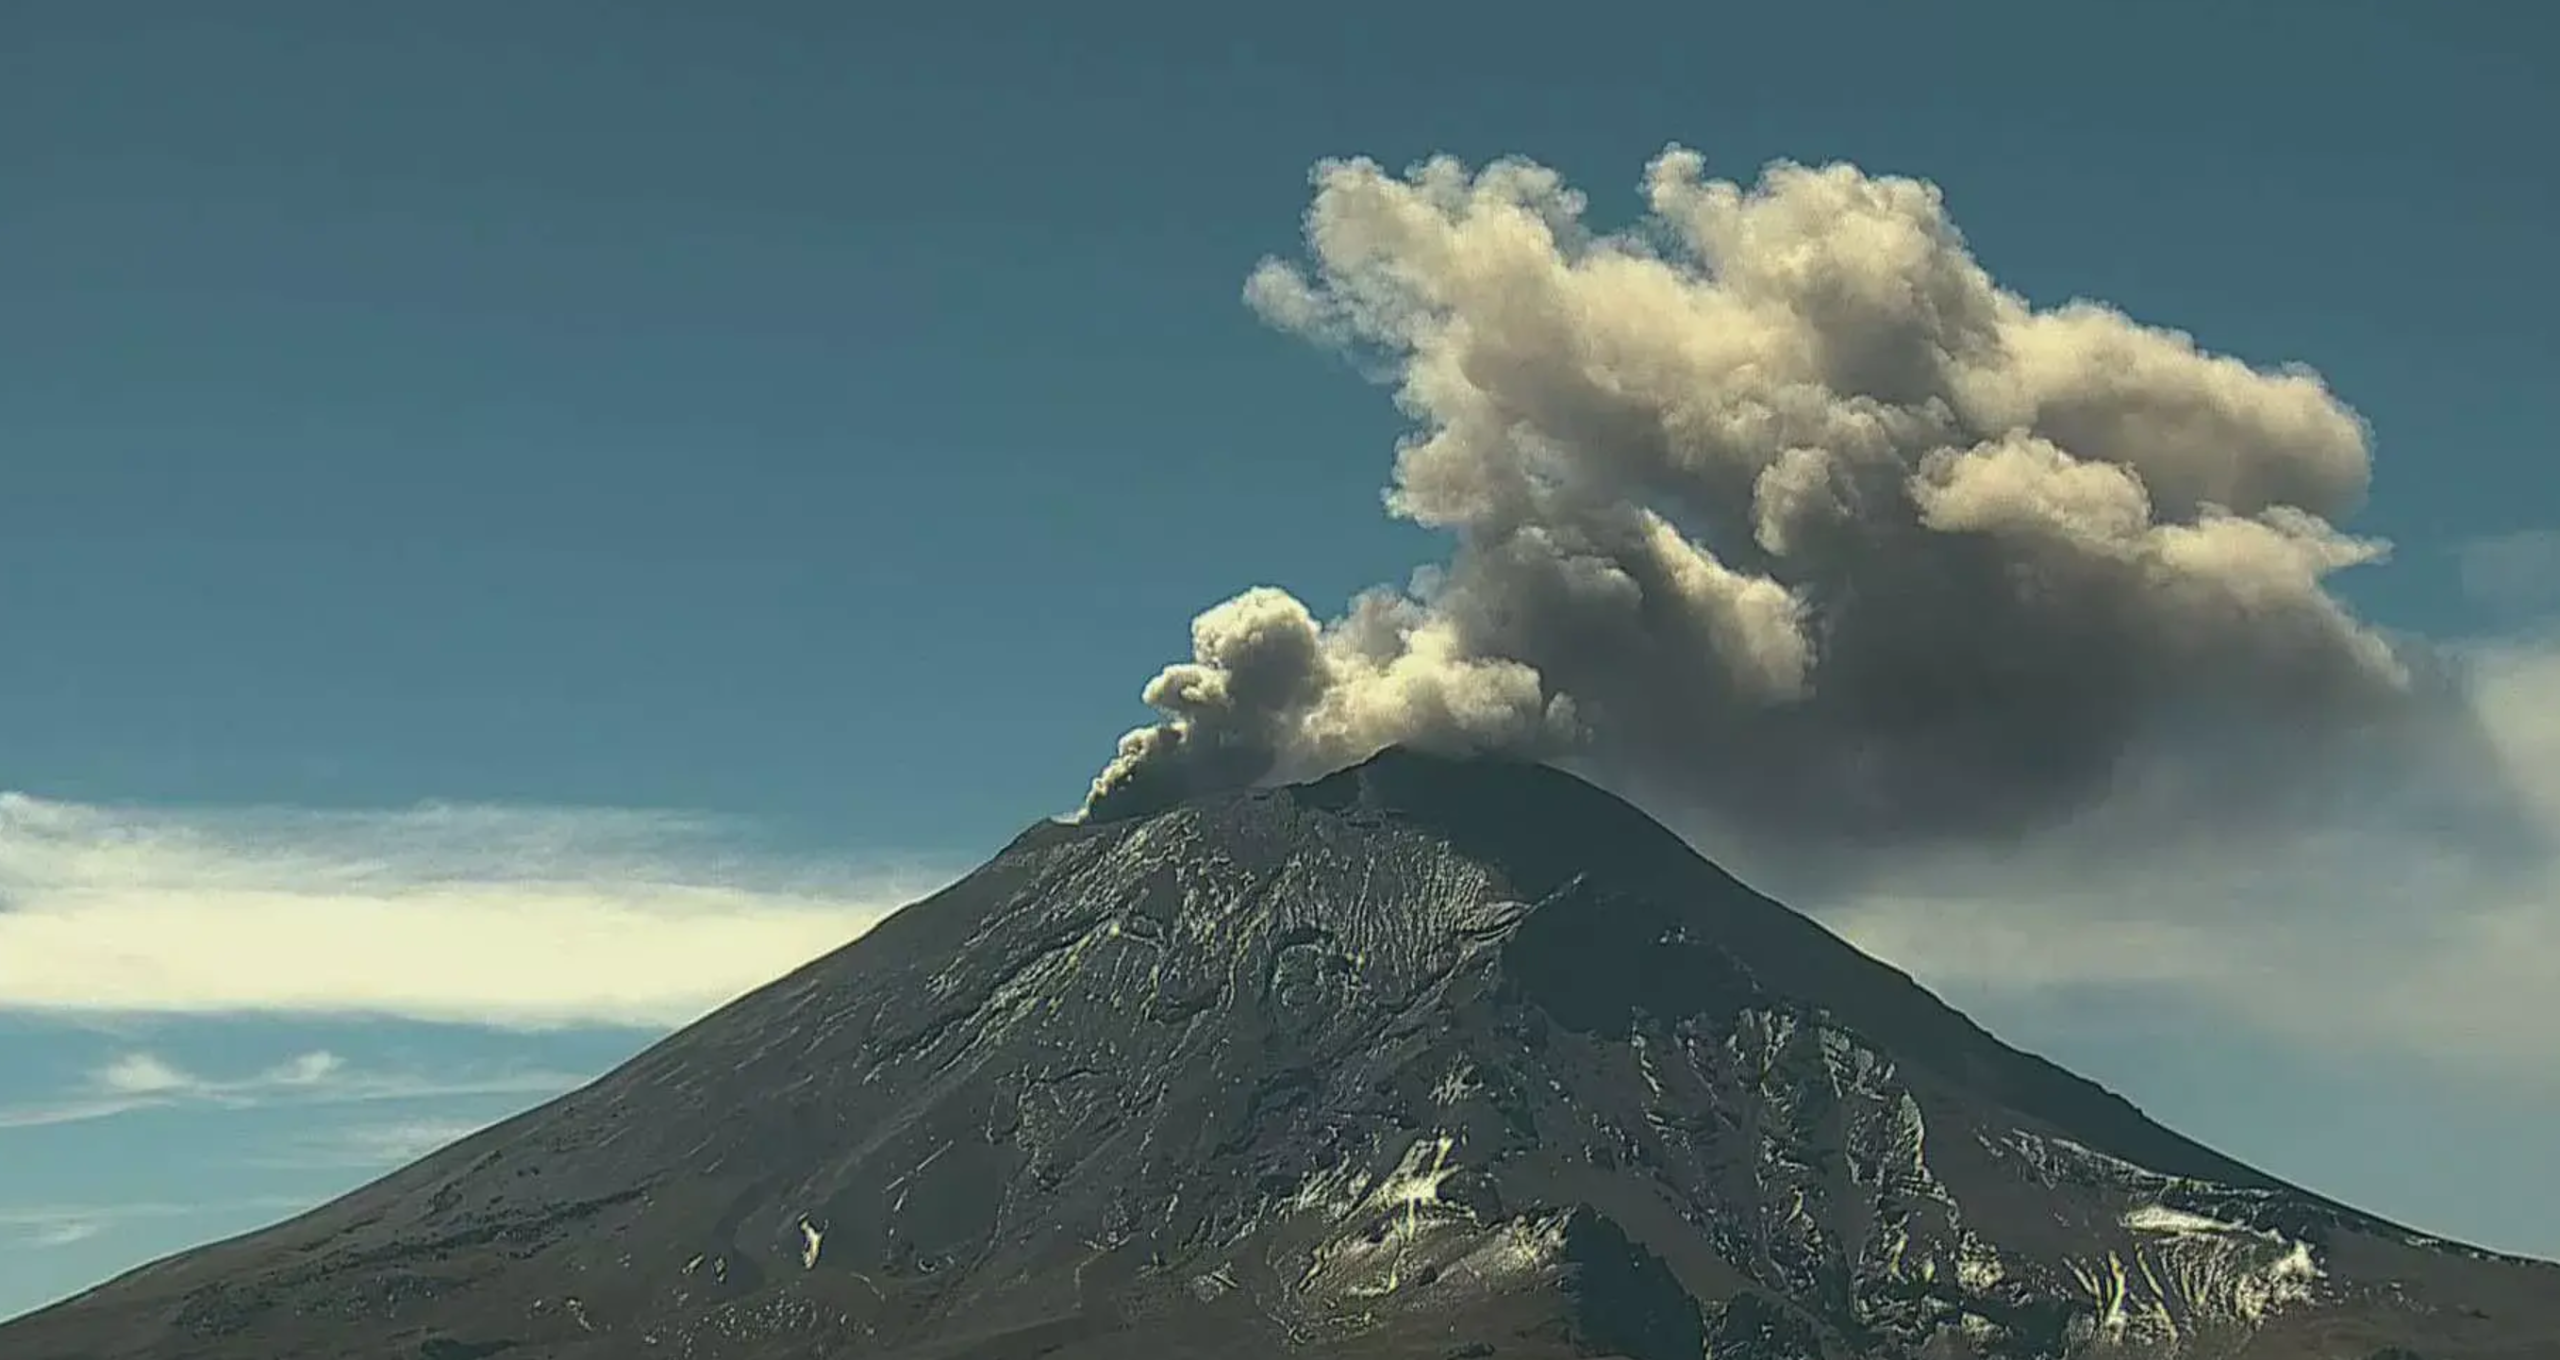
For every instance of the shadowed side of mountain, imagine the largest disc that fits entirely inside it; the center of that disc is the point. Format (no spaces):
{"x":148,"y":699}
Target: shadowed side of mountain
{"x":1545,"y":827}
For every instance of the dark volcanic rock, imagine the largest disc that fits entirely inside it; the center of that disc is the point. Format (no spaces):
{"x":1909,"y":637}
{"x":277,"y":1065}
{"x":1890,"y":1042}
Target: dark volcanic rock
{"x":1428,"y":1059}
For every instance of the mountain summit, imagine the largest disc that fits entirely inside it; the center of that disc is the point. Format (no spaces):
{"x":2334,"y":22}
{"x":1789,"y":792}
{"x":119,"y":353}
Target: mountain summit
{"x":1429,"y":1059}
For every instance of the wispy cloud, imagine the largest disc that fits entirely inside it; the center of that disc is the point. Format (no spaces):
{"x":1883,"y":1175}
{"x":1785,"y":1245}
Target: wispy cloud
{"x":37,"y":1226}
{"x":377,"y":1146}
{"x":54,"y":1228}
{"x":504,"y":916}
{"x":143,"y":1081}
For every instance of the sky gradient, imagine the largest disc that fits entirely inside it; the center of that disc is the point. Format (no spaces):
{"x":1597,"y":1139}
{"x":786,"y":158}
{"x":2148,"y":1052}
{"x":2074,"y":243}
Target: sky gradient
{"x":518,"y":523}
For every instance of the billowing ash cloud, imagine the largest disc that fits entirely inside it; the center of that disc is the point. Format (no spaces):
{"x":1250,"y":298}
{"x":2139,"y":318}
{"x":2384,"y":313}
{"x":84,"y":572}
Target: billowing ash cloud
{"x":1780,"y":506}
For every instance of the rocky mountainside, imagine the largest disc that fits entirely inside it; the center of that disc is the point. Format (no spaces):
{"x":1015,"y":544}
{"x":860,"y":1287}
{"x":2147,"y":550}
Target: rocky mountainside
{"x":1427,"y":1059}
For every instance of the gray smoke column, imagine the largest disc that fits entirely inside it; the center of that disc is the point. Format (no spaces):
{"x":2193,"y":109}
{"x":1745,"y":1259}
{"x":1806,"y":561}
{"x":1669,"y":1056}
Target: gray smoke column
{"x":1777,"y":504}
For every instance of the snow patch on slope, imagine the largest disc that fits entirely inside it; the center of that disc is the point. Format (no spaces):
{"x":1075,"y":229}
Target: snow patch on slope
{"x":2183,"y":1281}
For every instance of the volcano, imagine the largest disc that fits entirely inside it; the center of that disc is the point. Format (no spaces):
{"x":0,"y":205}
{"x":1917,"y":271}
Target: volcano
{"x":1427,"y":1060}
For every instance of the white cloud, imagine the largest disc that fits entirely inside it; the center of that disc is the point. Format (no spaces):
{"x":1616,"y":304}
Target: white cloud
{"x":378,"y":1146}
{"x":516,"y":917}
{"x":2401,"y":937}
{"x":2520,"y":702}
{"x":65,"y":1232}
{"x":75,"y":1111}
{"x":145,"y":1081}
{"x":141,"y":1074}
{"x":36,"y":1226}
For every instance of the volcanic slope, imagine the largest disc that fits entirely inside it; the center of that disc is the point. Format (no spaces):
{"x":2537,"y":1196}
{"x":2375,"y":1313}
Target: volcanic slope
{"x":1427,"y":1059}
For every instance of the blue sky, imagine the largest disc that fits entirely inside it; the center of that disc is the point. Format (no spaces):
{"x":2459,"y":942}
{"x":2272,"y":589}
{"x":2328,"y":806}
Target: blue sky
{"x":517,"y":523}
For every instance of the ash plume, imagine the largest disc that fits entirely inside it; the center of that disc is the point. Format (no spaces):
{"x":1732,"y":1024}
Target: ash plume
{"x":1777,"y":505}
